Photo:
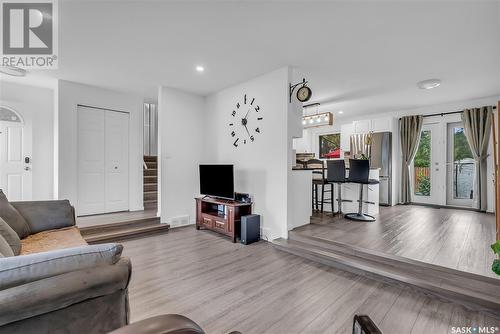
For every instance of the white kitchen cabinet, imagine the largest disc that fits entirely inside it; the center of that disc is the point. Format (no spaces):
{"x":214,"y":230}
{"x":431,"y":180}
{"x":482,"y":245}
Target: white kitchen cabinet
{"x":381,"y":124}
{"x":362,"y":126}
{"x":346,"y":130}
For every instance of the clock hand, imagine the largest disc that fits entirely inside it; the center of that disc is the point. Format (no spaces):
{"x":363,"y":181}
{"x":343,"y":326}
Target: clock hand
{"x":247,"y":113}
{"x":247,"y":130}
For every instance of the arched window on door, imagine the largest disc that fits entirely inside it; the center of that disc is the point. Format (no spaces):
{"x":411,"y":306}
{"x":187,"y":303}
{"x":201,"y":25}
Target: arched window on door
{"x":9,"y":115}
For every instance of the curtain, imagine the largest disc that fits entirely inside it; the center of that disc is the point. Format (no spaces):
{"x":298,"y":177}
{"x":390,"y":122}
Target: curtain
{"x":409,"y":131}
{"x":360,"y":144}
{"x":477,"y":130}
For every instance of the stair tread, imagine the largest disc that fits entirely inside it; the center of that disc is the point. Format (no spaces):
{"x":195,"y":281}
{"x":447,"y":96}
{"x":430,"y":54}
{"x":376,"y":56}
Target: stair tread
{"x":388,"y":258}
{"x":485,"y":294}
{"x":119,"y":225}
{"x":126,"y":232}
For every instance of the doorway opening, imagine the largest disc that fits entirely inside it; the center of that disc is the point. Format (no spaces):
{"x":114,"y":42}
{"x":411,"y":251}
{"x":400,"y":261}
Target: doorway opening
{"x":150,"y":163}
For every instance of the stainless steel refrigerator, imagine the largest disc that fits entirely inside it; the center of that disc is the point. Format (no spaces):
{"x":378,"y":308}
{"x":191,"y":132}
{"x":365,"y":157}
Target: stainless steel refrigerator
{"x":381,"y":157}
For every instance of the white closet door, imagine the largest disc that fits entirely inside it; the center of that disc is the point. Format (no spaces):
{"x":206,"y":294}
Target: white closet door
{"x":116,"y":153}
{"x":91,"y":161}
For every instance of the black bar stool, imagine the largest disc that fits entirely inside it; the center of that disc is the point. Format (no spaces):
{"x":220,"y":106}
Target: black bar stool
{"x":359,"y":170}
{"x":319,"y":179}
{"x":335,"y":174}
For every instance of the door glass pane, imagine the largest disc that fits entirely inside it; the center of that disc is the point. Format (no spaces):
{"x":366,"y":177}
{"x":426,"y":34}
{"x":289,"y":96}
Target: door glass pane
{"x":422,"y":165}
{"x":463,"y":166}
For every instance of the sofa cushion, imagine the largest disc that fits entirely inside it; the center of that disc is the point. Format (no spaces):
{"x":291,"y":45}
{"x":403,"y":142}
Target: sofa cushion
{"x":13,"y":217}
{"x":46,"y":215}
{"x":22,"y":269}
{"x":10,"y":237}
{"x":51,"y":240}
{"x":5,"y":249}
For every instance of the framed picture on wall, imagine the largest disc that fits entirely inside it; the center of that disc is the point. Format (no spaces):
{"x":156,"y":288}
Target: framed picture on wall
{"x":329,"y":146}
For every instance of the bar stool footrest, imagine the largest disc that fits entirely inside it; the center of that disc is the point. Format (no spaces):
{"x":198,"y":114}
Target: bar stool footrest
{"x":359,"y":217}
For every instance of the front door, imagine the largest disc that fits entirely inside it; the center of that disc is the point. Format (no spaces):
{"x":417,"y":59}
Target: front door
{"x":15,"y":156}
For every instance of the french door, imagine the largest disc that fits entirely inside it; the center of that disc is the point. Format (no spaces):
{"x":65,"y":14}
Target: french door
{"x":460,"y":167}
{"x":443,"y":169}
{"x":427,"y":171}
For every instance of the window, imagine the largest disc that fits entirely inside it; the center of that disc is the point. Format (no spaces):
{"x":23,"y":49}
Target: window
{"x":9,"y":115}
{"x":329,"y":146}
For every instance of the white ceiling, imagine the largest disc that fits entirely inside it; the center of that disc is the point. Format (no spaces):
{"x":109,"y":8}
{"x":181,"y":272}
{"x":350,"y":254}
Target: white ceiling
{"x":359,"y":56}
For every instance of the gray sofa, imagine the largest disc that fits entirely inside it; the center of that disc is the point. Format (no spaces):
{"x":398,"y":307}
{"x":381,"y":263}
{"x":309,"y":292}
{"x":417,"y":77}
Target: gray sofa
{"x":65,"y":287}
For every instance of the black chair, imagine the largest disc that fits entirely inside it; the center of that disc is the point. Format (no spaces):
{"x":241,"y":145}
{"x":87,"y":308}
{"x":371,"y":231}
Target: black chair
{"x":336,"y":175}
{"x":359,"y":170}
{"x":319,"y":179}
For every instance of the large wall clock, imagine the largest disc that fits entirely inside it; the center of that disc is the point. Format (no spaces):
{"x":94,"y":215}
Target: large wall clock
{"x":246,"y":121}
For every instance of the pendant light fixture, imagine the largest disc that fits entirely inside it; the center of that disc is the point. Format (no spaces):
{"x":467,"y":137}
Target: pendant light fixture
{"x":317,"y":119}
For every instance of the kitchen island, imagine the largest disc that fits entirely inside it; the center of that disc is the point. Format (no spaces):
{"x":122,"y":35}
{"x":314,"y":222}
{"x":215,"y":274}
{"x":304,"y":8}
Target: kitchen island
{"x":350,"y":191}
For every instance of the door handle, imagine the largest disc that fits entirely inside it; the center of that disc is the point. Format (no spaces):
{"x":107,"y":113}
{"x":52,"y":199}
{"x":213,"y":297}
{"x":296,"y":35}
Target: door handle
{"x":27,"y":160}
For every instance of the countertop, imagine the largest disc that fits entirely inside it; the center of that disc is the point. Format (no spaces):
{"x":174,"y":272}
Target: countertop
{"x":302,"y":168}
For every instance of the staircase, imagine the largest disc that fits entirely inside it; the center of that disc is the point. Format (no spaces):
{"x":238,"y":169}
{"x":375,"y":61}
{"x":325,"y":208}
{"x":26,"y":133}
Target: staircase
{"x":473,"y":291}
{"x":127,"y":229}
{"x":150,"y":182}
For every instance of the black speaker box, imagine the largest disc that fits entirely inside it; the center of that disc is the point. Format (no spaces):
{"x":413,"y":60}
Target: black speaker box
{"x":250,"y":229}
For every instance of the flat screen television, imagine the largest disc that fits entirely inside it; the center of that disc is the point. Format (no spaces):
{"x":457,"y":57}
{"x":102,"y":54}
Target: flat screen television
{"x":217,"y":181}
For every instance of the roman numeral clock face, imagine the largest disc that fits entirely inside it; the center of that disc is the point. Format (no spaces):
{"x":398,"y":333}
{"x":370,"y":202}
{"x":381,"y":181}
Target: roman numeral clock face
{"x":246,"y":121}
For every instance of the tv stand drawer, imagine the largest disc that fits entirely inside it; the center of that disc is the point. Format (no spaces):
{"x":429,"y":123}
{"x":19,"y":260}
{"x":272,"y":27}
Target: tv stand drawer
{"x":219,"y":225}
{"x":207,"y":222}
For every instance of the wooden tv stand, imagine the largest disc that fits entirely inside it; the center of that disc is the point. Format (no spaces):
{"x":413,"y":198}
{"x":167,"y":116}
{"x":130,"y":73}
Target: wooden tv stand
{"x":222,"y":216}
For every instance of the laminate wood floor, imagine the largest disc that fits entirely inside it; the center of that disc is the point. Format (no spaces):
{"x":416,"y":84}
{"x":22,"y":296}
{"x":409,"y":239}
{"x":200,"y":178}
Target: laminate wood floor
{"x":259,"y":289}
{"x":457,"y":239}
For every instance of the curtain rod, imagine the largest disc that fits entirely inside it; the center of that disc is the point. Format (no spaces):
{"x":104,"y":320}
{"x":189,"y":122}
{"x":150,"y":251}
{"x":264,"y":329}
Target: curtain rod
{"x":446,"y":113}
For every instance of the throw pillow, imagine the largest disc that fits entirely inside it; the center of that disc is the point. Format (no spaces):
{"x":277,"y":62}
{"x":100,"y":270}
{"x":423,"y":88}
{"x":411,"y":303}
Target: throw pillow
{"x":13,"y":217}
{"x":10,"y":237}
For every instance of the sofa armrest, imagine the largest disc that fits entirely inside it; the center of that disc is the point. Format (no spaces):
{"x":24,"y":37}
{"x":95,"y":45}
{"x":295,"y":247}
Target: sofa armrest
{"x":58,"y":292}
{"x":22,"y":269}
{"x":46,"y":215}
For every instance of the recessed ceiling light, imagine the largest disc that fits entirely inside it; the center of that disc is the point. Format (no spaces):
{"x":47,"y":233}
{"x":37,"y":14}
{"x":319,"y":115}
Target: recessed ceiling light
{"x":341,"y":112}
{"x":429,"y":84}
{"x":200,"y":68}
{"x":12,"y":70}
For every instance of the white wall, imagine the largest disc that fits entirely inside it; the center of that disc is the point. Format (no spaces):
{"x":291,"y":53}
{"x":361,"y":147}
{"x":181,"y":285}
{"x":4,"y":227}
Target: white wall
{"x":180,"y":144}
{"x":309,"y":141}
{"x":261,"y":166}
{"x":71,"y":94}
{"x":36,"y":105}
